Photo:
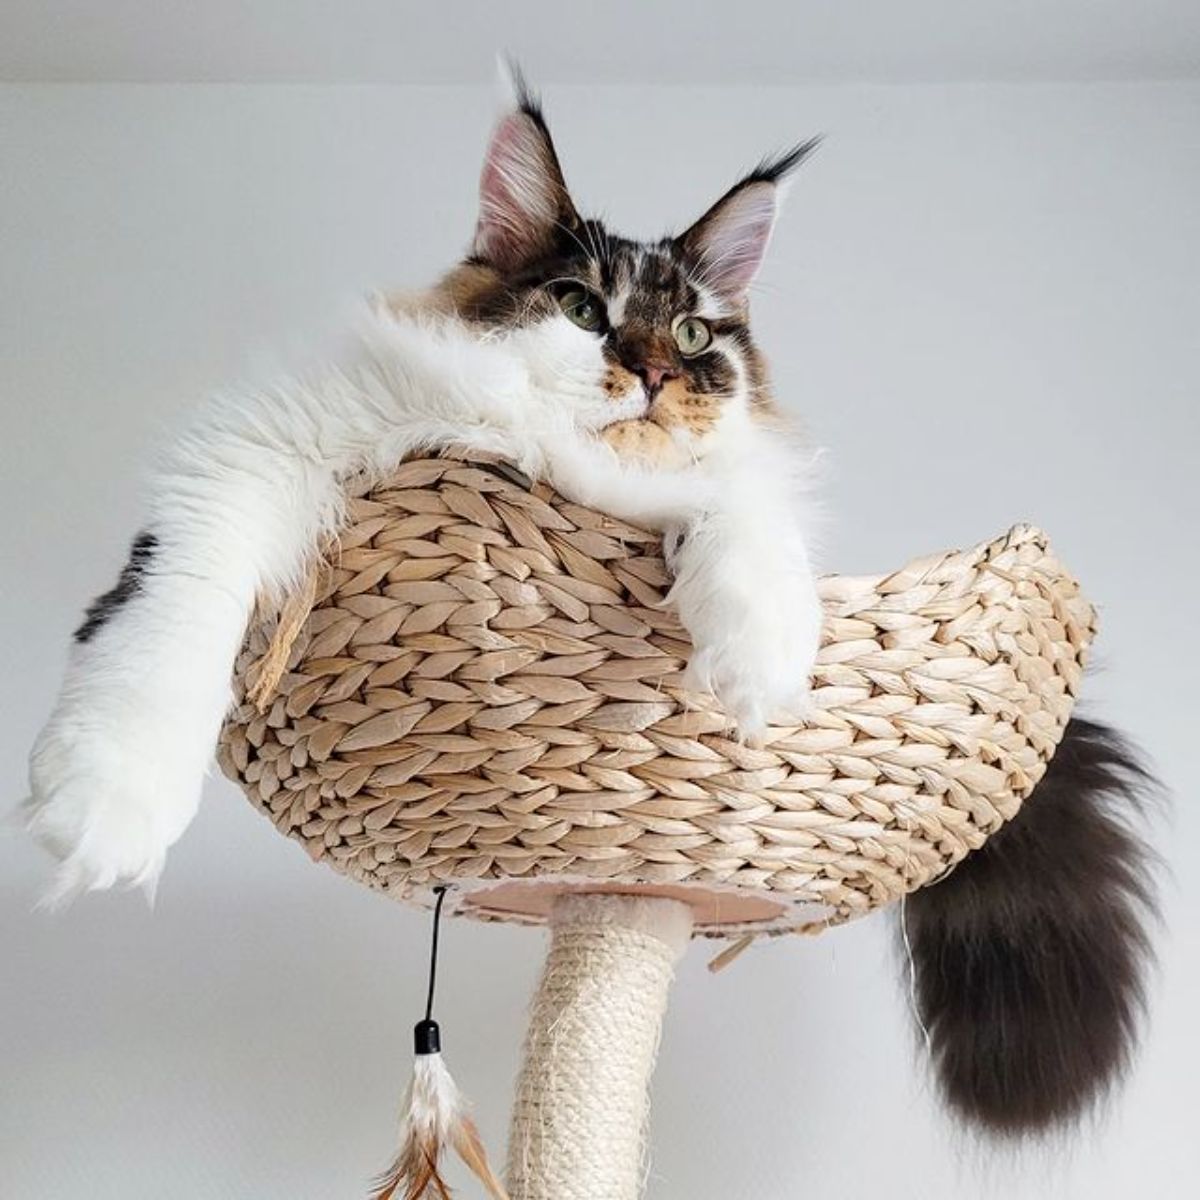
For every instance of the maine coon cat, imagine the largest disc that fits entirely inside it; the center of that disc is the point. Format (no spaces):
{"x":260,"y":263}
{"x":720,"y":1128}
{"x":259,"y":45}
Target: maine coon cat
{"x":623,"y":372}
{"x":626,"y":374}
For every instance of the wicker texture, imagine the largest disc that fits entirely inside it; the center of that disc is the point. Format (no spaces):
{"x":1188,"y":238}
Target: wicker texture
{"x":485,"y":690}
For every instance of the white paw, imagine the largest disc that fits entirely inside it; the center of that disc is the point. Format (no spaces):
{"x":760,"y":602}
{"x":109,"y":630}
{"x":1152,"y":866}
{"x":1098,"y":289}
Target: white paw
{"x":760,"y":669}
{"x":108,"y":799}
{"x":755,"y":683}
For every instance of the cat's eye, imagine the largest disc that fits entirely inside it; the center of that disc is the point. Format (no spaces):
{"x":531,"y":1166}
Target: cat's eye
{"x":692,"y":336}
{"x":585,"y":308}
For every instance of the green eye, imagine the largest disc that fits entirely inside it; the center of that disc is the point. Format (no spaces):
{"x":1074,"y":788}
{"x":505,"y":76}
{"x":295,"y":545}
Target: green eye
{"x":582,"y":307}
{"x":692,"y":336}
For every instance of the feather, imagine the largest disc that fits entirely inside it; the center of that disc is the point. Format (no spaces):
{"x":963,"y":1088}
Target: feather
{"x":435,"y":1115}
{"x":470,"y":1149}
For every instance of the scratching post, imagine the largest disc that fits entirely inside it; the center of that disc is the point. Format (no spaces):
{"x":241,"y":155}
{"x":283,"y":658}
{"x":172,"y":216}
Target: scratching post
{"x":582,"y":1096}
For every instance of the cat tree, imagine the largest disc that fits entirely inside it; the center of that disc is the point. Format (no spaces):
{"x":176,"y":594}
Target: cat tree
{"x":479,"y":688}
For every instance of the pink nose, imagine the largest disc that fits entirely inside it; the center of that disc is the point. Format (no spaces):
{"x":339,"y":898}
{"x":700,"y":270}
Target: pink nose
{"x":653,"y":376}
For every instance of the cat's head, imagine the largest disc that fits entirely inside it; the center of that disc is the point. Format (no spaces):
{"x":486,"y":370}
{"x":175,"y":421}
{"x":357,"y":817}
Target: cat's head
{"x":629,"y":329}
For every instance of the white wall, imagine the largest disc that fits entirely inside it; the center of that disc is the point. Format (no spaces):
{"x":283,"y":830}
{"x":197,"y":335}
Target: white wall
{"x":984,"y":298}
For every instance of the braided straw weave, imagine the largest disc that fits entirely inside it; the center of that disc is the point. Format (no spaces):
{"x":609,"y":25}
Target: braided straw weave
{"x":480,"y":687}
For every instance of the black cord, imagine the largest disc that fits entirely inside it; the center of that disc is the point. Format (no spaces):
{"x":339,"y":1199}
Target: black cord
{"x":440,"y":892}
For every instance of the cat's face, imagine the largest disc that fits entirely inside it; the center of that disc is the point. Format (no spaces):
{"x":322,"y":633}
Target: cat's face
{"x":624,"y":330}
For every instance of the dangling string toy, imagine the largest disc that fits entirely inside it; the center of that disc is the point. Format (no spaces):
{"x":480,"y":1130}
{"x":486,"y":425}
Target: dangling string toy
{"x":434,"y":1113}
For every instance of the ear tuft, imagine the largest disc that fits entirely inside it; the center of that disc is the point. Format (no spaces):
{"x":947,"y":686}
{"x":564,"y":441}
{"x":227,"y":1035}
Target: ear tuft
{"x":727,"y":244}
{"x":517,"y":90}
{"x":775,"y":168}
{"x":522,"y":195}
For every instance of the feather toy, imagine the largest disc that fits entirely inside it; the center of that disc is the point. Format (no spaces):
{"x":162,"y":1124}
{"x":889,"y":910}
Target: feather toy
{"x":434,"y":1115}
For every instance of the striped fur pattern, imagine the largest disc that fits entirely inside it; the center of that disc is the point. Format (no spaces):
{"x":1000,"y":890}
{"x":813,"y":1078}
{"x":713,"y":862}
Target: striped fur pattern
{"x":532,"y":246}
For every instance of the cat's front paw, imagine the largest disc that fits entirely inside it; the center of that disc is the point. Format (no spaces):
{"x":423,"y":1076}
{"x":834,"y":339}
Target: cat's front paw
{"x":753,"y":684}
{"x":760,"y":669}
{"x":108,"y":798}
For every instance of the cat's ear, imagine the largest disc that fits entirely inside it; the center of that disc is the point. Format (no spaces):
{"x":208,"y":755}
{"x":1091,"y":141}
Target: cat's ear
{"x":523,"y":199}
{"x":727,"y":244}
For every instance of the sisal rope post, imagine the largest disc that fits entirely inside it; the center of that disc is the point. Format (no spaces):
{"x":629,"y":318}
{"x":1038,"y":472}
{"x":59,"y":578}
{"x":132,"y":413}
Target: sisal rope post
{"x":582,"y":1098}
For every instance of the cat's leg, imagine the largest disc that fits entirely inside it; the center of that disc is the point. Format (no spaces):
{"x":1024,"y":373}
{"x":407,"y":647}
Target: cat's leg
{"x":737,"y":545}
{"x":746,"y":592}
{"x":240,"y":503}
{"x":755,"y":623}
{"x":117,"y":770}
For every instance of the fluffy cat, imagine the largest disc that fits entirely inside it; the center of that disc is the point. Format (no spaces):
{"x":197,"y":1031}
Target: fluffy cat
{"x":625,"y":374}
{"x":622,"y":372}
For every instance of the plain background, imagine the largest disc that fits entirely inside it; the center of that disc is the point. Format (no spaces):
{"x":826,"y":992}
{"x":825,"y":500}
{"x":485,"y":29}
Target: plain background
{"x":983,"y":297}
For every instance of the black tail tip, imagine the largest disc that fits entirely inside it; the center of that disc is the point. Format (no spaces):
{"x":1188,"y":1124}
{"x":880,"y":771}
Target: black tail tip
{"x":1030,"y":959}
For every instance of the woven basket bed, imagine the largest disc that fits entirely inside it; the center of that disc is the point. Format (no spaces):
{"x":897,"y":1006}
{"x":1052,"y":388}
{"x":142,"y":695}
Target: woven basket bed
{"x":480,"y":687}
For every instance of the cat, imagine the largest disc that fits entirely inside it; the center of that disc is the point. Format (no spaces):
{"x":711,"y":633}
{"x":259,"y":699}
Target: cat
{"x":626,"y":375}
{"x":622,"y":372}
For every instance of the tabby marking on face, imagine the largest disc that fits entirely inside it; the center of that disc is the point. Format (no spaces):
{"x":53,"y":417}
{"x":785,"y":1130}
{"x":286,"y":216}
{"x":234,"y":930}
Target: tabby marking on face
{"x":669,"y":318}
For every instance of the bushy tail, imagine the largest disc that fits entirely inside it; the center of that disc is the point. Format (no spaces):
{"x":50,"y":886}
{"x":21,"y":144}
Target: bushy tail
{"x":1030,"y":958}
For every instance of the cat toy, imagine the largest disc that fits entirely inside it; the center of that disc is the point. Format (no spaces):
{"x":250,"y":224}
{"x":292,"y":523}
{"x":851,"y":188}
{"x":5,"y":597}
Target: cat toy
{"x":481,"y":711}
{"x":434,"y":1114}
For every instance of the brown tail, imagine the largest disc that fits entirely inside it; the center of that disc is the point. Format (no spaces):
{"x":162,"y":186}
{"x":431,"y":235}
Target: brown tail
{"x":1030,"y":958}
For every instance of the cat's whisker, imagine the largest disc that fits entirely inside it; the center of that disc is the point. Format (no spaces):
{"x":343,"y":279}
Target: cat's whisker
{"x":772,"y":290}
{"x":606,"y":237}
{"x":574,"y":237}
{"x":591,"y":235}
{"x":703,"y":274}
{"x":532,"y":298}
